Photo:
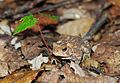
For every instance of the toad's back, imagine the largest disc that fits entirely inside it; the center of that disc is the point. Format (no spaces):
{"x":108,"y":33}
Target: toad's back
{"x":70,"y":46}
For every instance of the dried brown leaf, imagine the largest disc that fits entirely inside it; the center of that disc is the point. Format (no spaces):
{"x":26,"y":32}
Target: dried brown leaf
{"x":10,"y":57}
{"x":115,"y":2}
{"x":109,"y":55}
{"x":30,"y":47}
{"x":115,"y":11}
{"x":70,"y":78}
{"x":20,"y":77}
{"x":50,"y":77}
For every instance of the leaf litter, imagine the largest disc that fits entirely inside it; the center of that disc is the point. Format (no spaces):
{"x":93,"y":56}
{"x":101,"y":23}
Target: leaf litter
{"x":27,"y":46}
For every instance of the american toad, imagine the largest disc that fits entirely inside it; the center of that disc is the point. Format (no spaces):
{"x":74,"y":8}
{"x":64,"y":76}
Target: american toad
{"x":71,"y":46}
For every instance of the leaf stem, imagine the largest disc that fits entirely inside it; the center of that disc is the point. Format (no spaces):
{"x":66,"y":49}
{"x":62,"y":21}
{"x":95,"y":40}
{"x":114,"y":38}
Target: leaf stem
{"x":50,"y":51}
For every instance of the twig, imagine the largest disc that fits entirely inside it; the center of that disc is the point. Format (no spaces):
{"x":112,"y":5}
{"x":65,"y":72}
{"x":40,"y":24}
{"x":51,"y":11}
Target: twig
{"x":26,"y":7}
{"x":66,"y":2}
{"x":96,"y":27}
{"x":43,"y":39}
{"x":100,"y":21}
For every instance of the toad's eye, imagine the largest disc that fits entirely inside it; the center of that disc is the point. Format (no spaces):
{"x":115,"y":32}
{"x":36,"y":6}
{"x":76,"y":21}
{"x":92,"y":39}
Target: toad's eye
{"x":64,"y":49}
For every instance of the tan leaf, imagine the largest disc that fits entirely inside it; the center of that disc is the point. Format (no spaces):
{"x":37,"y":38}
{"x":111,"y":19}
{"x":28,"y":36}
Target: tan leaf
{"x":20,"y":77}
{"x":75,"y":28}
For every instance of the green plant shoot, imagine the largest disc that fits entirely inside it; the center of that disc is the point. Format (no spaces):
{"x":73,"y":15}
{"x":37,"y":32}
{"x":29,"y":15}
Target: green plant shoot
{"x":29,"y":21}
{"x":26,"y":22}
{"x":50,"y":16}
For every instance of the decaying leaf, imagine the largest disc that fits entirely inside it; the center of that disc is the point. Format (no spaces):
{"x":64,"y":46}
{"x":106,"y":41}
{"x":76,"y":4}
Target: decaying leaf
{"x":115,"y":2}
{"x":50,"y":77}
{"x":20,"y":77}
{"x":108,"y":56}
{"x":38,"y":61}
{"x":44,"y":20}
{"x":67,"y":75}
{"x":113,"y":36}
{"x":4,"y":28}
{"x":76,"y":28}
{"x":71,"y":78}
{"x":4,"y":70}
{"x":32,"y":46}
{"x":90,"y":63}
{"x":10,"y":59}
{"x":77,"y":69}
{"x":115,"y":10}
{"x":75,"y":13}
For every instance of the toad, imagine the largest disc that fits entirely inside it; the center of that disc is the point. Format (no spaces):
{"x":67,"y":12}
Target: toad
{"x":71,"y":47}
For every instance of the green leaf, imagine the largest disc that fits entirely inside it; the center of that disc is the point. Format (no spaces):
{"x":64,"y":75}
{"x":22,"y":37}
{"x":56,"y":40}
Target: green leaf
{"x":26,"y":22}
{"x":50,"y":16}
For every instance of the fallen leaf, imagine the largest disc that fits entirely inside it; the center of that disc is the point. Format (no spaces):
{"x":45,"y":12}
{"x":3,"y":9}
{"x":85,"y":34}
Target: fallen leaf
{"x":32,"y":47}
{"x":88,"y":63}
{"x":10,"y":59}
{"x":70,"y":78}
{"x":77,"y":69}
{"x":38,"y":61}
{"x":4,"y":70}
{"x":75,"y":13}
{"x":75,"y":28}
{"x":115,"y":2}
{"x":20,"y":77}
{"x":109,"y":56}
{"x":115,"y":11}
{"x":50,"y":77}
{"x":5,"y":29}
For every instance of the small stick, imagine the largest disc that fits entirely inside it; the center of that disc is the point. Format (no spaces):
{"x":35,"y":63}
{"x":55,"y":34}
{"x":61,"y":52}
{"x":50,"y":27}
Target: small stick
{"x":100,"y":21}
{"x":27,"y":6}
{"x":95,"y":27}
{"x":43,"y":39}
